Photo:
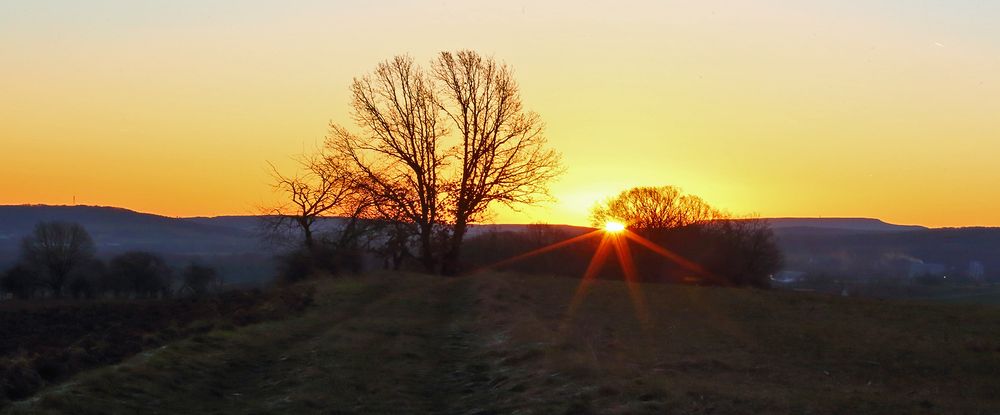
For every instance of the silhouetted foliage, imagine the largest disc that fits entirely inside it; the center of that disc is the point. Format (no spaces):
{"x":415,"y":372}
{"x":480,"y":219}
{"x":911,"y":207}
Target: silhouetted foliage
{"x":142,"y":274}
{"x":198,"y":280}
{"x":740,"y":252}
{"x":54,"y":250}
{"x":295,"y":265}
{"x":396,"y":238}
{"x":86,"y":280}
{"x":746,"y":252}
{"x":323,"y":258}
{"x":648,"y":208}
{"x":731,"y":251}
{"x":19,"y":281}
{"x":491,"y":248}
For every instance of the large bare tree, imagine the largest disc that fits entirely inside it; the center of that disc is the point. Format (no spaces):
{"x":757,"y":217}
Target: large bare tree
{"x":399,"y":150}
{"x":439,"y":148}
{"x":501,"y":155}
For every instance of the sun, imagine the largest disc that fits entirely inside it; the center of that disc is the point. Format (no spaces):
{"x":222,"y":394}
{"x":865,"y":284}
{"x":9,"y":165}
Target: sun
{"x":614,"y":227}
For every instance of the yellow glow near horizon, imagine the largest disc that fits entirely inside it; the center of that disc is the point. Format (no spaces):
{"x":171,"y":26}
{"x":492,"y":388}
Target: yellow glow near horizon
{"x":614,"y":227}
{"x":780,"y":108}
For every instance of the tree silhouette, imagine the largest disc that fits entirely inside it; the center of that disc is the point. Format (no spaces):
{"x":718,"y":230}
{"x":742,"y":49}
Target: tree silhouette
{"x":502,"y":154}
{"x":664,"y":207}
{"x":19,"y":281}
{"x":54,"y":250}
{"x":199,"y":279}
{"x":438,"y":149}
{"x":143,"y":274}
{"x":398,"y":152}
{"x":736,"y":251}
{"x":745,"y":251}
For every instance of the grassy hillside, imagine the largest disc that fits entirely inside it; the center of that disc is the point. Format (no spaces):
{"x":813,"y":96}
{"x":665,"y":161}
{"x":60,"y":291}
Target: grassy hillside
{"x":498,"y":343}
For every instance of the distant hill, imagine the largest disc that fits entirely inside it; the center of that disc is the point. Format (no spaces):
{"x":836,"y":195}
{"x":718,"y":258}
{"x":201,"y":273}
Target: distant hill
{"x":480,"y":229}
{"x":840,"y":224}
{"x":246,"y":223}
{"x":851,"y":245}
{"x":880,"y":251}
{"x":117,"y":229}
{"x":236,"y":250}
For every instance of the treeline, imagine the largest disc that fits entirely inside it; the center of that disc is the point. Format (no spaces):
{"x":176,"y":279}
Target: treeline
{"x":59,"y":260}
{"x":692,"y":243}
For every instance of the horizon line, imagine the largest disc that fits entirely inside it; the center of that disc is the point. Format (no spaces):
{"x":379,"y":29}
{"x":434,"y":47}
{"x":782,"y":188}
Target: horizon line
{"x":823,"y":217}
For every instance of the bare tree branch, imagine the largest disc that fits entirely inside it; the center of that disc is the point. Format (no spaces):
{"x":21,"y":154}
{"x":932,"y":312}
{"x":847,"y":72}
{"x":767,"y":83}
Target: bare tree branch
{"x":502,"y":151}
{"x":398,"y":154}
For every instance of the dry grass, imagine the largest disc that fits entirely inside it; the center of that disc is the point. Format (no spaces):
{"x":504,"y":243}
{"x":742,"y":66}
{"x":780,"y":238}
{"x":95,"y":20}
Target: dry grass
{"x":718,"y":350}
{"x":499,"y":343}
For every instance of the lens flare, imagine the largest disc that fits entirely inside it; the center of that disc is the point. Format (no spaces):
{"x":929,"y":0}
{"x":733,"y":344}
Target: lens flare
{"x":614,"y":227}
{"x":615,"y":237}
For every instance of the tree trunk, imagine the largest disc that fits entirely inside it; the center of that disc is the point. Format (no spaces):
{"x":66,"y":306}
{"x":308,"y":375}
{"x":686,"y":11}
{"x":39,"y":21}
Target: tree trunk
{"x":451,"y":265}
{"x":427,"y":248}
{"x":309,"y":237}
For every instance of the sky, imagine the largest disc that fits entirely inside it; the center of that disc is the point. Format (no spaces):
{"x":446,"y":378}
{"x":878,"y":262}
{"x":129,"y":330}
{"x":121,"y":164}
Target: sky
{"x":880,"y":108}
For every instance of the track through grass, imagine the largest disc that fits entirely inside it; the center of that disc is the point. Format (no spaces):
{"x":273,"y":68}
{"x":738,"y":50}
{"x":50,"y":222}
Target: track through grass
{"x":500,"y":343}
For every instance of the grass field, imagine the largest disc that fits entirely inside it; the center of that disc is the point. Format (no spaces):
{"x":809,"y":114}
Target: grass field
{"x":43,"y":342}
{"x":976,"y":295}
{"x":500,"y":343}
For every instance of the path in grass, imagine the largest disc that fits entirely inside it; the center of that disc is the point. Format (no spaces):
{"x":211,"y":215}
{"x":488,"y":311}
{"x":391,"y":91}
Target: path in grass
{"x":505,"y":343}
{"x":395,"y":346}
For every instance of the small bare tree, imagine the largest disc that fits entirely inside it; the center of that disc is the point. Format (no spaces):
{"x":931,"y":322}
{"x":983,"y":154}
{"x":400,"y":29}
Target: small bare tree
{"x":325,"y":187}
{"x":746,"y":251}
{"x":502,"y":153}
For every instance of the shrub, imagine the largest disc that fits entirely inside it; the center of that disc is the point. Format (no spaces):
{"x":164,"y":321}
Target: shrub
{"x":19,"y":281}
{"x":85,"y":280}
{"x":18,"y":379}
{"x":323,"y":258}
{"x":199,"y":279}
{"x":141,"y":273}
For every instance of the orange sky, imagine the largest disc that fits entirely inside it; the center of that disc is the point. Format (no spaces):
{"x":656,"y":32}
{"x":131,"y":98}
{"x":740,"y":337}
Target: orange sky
{"x":807,"y":108}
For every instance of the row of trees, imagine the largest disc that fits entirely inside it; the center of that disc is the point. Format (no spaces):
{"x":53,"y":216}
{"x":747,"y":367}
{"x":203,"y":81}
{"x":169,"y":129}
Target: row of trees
{"x":730,"y":250}
{"x":432,"y":150}
{"x":59,"y":259}
{"x":724,"y":250}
